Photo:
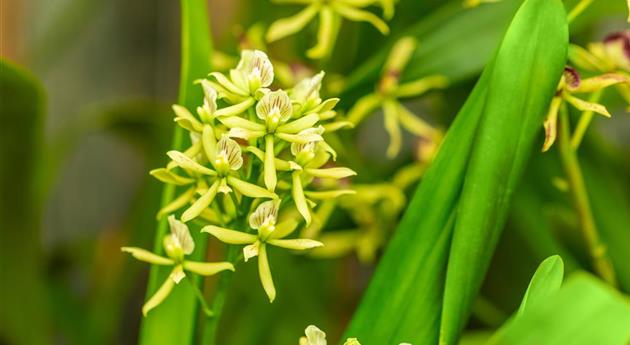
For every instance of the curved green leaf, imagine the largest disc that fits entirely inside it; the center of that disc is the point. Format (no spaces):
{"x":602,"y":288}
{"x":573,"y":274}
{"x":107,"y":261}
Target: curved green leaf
{"x":524,"y":79}
{"x":545,"y":282}
{"x":525,"y":76}
{"x":404,"y":297}
{"x":584,"y":311}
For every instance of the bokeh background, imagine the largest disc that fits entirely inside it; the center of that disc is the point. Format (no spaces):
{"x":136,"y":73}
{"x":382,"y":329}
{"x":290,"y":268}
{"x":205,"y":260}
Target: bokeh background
{"x":110,"y":72}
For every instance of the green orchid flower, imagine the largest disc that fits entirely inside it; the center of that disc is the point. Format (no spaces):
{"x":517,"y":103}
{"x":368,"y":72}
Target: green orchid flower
{"x":571,"y":84}
{"x":225,"y":159}
{"x":330,"y":13}
{"x":247,"y":82}
{"x":177,"y":245}
{"x":389,"y":92}
{"x":264,"y":221}
{"x":274,"y":110}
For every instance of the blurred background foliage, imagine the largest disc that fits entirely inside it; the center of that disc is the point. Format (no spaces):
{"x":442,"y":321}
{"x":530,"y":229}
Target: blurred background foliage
{"x":93,"y":117}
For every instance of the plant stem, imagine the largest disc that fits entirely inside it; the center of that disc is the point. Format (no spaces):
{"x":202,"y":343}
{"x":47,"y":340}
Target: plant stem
{"x":584,"y":122}
{"x":578,"y":9}
{"x":200,"y":296}
{"x":597,"y":249}
{"x":211,"y":323}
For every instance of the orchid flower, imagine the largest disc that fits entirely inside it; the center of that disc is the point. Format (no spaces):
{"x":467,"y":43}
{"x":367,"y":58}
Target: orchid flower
{"x":330,"y":13}
{"x":269,"y":232}
{"x":390,"y":91}
{"x":177,"y":244}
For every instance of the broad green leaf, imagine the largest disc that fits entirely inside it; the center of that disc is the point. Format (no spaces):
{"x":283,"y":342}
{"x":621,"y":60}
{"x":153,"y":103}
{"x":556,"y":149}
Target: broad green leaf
{"x":545,"y":282}
{"x":584,"y":311}
{"x":24,"y":317}
{"x":174,"y":321}
{"x":404,"y":297}
{"x":523,"y":80}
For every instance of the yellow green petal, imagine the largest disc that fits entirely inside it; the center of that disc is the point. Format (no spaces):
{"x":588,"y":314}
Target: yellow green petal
{"x":207,"y":268}
{"x":147,"y":256}
{"x":228,"y":235}
{"x":551,"y":123}
{"x":298,"y":197}
{"x":364,"y":107}
{"x":202,"y":203}
{"x":288,"y":26}
{"x":420,"y":86}
{"x":188,"y":163}
{"x":249,"y":189}
{"x":335,"y":173}
{"x":264,"y":271}
{"x":295,"y":244}
{"x":326,"y":34}
{"x":178,"y":203}
{"x":390,"y":113}
{"x":361,"y":16}
{"x":170,"y":177}
{"x":159,"y":296}
{"x":587,"y":106}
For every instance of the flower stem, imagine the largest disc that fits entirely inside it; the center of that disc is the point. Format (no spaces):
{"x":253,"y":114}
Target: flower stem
{"x":200,"y":297}
{"x":584,"y":122}
{"x":578,"y":9}
{"x":211,"y":324}
{"x":568,"y":156}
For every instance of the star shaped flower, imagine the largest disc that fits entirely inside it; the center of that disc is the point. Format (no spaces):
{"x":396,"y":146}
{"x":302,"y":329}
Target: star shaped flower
{"x":389,"y":92}
{"x":177,"y":245}
{"x":269,"y":232}
{"x":330,"y":14}
{"x":571,"y":84}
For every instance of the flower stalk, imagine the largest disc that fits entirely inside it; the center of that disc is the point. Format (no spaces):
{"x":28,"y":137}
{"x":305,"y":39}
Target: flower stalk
{"x":601,"y":262}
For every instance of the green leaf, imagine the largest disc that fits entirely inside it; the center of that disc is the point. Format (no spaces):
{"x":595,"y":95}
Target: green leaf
{"x":525,"y":76}
{"x":174,"y":321}
{"x":24,"y":315}
{"x":584,"y":311}
{"x":404,"y":297}
{"x":545,"y":282}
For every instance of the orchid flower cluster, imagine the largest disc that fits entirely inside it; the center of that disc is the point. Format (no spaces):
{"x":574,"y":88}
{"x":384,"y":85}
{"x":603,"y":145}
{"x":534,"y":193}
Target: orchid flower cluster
{"x":315,"y":336}
{"x":255,"y":154}
{"x":607,"y":63}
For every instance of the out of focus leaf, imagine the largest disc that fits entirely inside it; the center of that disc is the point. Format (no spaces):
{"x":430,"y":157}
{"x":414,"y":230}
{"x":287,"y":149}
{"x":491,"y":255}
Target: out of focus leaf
{"x":584,"y":311}
{"x":508,"y":103}
{"x":174,"y":321}
{"x":24,"y":317}
{"x":607,"y":186}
